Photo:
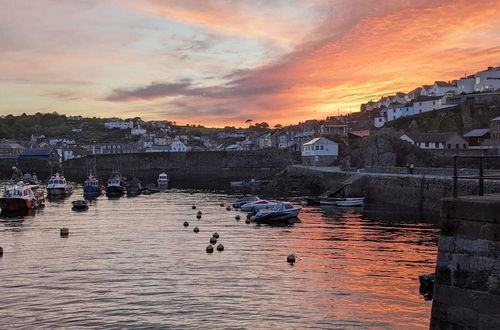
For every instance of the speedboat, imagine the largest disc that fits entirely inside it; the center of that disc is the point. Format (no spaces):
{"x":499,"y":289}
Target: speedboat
{"x":244,"y":200}
{"x":257,"y":205}
{"x":116,"y":185}
{"x":58,"y":186}
{"x":91,"y":186}
{"x":21,"y":197}
{"x":282,"y":211}
{"x":162,"y":181}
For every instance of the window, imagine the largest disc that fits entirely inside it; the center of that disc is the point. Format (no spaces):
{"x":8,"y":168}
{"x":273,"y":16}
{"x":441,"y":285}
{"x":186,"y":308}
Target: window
{"x":449,"y":146}
{"x":465,"y":146}
{"x":322,"y":147}
{"x":457,"y":146}
{"x":427,"y":144}
{"x":317,"y":147}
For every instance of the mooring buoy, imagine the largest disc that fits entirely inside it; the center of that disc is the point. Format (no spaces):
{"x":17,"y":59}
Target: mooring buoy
{"x":210,"y":249}
{"x":196,"y":229}
{"x":228,"y":208}
{"x":199,"y":212}
{"x":290,"y":259}
{"x":216,"y":235}
{"x":198,"y":216}
{"x":247,"y":221}
{"x":220,"y":247}
{"x":193,"y":207}
{"x":213,"y":240}
{"x":237,"y":217}
{"x":1,"y":251}
{"x":249,"y":215}
{"x":221,"y":204}
{"x":64,"y":232}
{"x":186,"y":223}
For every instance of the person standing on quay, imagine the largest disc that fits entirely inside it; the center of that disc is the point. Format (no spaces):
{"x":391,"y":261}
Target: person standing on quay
{"x":411,"y":168}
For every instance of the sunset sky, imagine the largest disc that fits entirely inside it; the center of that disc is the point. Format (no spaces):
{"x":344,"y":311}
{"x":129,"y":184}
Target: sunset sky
{"x":221,"y":62}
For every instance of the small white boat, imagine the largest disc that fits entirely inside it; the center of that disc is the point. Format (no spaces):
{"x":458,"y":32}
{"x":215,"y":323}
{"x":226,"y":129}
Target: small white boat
{"x":351,"y":202}
{"x":258,"y":205}
{"x":345,"y":201}
{"x":245,"y":200}
{"x":163,"y":181}
{"x":282,"y":211}
{"x":58,"y":185}
{"x":21,"y":197}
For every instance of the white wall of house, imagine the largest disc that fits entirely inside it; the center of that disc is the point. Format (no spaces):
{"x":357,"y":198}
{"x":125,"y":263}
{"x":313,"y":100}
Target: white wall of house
{"x":379,"y":122}
{"x":439,"y":90}
{"x":178,"y":146}
{"x":138,"y":130}
{"x":396,"y":112}
{"x":466,"y":85}
{"x":424,"y":106}
{"x":322,"y":147}
{"x":119,"y":124}
{"x":488,"y":80}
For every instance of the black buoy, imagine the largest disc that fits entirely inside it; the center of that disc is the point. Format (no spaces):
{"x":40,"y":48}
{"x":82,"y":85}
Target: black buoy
{"x":193,"y":207}
{"x":249,"y":215}
{"x":237,"y":217}
{"x":221,"y":204}
{"x":64,"y":232}
{"x":199,"y":212}
{"x":213,"y":240}
{"x":228,"y":208}
{"x":220,"y":247}
{"x":210,"y":249}
{"x":198,"y":216}
{"x":247,"y":221}
{"x":290,"y":259}
{"x":216,"y":235}
{"x":186,"y":223}
{"x":1,"y":251}
{"x":196,"y":229}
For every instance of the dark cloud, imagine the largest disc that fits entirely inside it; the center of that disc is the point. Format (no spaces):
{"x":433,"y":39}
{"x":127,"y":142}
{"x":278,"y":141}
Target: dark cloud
{"x":153,"y":91}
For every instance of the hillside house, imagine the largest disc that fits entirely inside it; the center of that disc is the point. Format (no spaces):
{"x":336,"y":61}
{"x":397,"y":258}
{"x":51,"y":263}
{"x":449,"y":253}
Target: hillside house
{"x":477,"y":136}
{"x":442,"y":88}
{"x":435,"y":141}
{"x":320,"y":152}
{"x":487,"y":80}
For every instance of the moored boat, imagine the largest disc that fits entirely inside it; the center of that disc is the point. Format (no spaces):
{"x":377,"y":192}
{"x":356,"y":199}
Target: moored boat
{"x":116,"y":185}
{"x":281,"y":212}
{"x":163,"y":181}
{"x":351,"y":202}
{"x":80,"y":205}
{"x":21,"y":197}
{"x":257,"y":205}
{"x":91,"y":185}
{"x":245,"y":200}
{"x":59,"y":186}
{"x":134,"y":187}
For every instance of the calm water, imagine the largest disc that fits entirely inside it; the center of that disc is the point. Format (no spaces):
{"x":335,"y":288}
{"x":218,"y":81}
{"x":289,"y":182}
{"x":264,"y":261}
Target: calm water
{"x":130,"y":263}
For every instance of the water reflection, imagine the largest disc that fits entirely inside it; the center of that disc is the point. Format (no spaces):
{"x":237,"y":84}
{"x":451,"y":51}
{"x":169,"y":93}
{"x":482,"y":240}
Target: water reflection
{"x":130,"y":262}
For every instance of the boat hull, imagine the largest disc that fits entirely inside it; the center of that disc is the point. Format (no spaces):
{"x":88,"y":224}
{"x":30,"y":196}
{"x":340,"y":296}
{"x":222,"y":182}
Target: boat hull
{"x":58,"y":192}
{"x":91,"y":190}
{"x":276,"y":216}
{"x":114,"y":191}
{"x":163,"y":185}
{"x":15,"y":204}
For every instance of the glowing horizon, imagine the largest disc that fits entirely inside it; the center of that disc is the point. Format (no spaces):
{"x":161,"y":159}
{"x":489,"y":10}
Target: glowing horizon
{"x":219,"y":63}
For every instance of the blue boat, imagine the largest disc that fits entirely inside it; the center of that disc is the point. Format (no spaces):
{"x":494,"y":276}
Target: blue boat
{"x":91,"y":186}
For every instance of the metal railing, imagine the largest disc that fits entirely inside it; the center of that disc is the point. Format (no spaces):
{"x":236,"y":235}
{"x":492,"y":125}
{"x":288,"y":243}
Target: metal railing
{"x":480,"y":177}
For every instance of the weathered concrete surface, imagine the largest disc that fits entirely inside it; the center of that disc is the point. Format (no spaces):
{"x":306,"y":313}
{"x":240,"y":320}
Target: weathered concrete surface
{"x":211,"y":170}
{"x":467,"y":287}
{"x":415,"y":191}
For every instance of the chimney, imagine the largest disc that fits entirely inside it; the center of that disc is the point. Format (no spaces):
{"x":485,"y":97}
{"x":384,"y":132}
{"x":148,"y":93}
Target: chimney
{"x":490,"y":68}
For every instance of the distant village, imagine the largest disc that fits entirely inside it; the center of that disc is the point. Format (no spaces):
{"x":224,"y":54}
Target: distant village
{"x":318,"y":140}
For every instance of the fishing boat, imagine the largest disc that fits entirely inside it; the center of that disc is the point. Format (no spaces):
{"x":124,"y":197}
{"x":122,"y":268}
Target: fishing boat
{"x":134,"y":187}
{"x":59,"y":186}
{"x":281,"y":212}
{"x":245,"y":200}
{"x":21,"y":197}
{"x":80,"y":205}
{"x":258,"y":205}
{"x":91,"y":186}
{"x":163,"y":181}
{"x":116,"y":185}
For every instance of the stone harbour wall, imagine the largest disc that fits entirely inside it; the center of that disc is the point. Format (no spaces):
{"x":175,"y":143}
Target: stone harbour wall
{"x":467,"y":287}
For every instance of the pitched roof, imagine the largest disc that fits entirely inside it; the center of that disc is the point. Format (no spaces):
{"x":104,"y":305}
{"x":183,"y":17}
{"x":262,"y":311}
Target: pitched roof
{"x":315,"y":140}
{"x":431,"y":137}
{"x":495,"y":119}
{"x":37,"y":152}
{"x":443,"y":84}
{"x":478,"y":132}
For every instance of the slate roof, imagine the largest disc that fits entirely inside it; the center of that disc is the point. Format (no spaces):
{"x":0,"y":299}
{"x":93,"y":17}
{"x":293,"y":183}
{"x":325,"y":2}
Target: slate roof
{"x":478,"y":132}
{"x":38,"y":153}
{"x":313,"y":141}
{"x":431,"y":137}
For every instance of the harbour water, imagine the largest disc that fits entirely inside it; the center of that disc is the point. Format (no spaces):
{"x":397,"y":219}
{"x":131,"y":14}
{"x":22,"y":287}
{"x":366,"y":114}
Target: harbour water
{"x":130,"y":263}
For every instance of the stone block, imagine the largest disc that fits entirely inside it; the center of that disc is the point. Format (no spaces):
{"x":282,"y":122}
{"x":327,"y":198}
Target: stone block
{"x":489,"y":322}
{"x":446,"y":243}
{"x":472,"y":208}
{"x":486,"y":303}
{"x":444,"y":258}
{"x":443,"y":275}
{"x":491,"y":231}
{"x":462,"y":228}
{"x":473,"y":280}
{"x":494,"y":284}
{"x":452,"y":296}
{"x":472,"y":245}
{"x":462,"y":317}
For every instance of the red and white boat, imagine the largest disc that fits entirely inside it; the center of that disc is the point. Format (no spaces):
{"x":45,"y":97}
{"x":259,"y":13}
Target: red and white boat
{"x":21,"y":197}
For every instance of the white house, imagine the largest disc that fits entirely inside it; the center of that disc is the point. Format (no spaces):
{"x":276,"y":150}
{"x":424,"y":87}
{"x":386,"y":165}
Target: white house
{"x":442,"y":88}
{"x":397,"y":111}
{"x":435,"y":140}
{"x":178,"y":146}
{"x":379,"y":121}
{"x":118,"y":123}
{"x":488,"y":80}
{"x":466,"y":85}
{"x":426,"y":90}
{"x":319,"y":152}
{"x":138,"y":130}
{"x":429,"y":103}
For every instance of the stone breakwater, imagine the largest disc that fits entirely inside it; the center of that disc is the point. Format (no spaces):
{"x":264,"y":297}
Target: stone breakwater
{"x":207,"y":170}
{"x":422,"y":192}
{"x":467,"y":288}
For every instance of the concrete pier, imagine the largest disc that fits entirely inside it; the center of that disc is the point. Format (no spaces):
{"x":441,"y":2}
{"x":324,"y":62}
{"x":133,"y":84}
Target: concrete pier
{"x":467,"y":287}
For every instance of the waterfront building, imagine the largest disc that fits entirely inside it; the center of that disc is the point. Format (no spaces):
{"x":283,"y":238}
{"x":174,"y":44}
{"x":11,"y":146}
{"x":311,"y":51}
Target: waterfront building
{"x":466,"y":85}
{"x":320,"y":152}
{"x":477,"y":136}
{"x":487,"y":80}
{"x":178,"y":146}
{"x":435,"y":141}
{"x":10,"y":147}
